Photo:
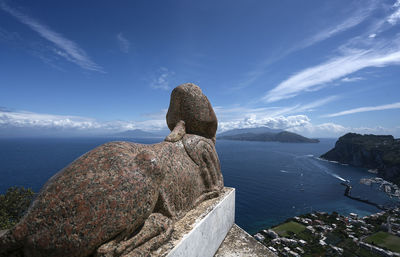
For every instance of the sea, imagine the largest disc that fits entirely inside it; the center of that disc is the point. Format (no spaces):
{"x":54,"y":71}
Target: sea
{"x":273,"y":181}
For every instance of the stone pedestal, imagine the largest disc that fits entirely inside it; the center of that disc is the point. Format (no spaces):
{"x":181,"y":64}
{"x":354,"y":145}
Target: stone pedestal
{"x":201,"y":231}
{"x":209,"y":230}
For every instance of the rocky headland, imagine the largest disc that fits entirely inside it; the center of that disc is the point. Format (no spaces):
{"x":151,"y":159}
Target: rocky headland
{"x":380,"y":153}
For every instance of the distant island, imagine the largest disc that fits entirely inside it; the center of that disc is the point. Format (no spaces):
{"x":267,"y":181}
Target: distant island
{"x":380,"y":154}
{"x":138,"y":133}
{"x":266,"y":135}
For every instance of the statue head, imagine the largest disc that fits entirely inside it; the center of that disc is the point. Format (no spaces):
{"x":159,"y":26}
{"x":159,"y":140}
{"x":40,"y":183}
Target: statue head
{"x":189,"y":104}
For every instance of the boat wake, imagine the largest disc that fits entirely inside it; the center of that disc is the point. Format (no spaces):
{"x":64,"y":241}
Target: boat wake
{"x":329,"y":172}
{"x":340,"y":178}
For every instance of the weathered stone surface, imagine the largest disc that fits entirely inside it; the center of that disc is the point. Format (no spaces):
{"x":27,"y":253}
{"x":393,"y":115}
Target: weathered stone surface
{"x":190,"y":105}
{"x":240,"y":244}
{"x":121,"y":198}
{"x":200,"y":232}
{"x":177,"y":133}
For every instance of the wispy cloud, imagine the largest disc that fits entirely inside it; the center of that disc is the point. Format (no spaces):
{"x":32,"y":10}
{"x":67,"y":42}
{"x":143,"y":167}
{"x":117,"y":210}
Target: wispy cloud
{"x":357,"y":54}
{"x":366,"y":109}
{"x":395,"y":16}
{"x":64,"y":47}
{"x":316,"y":77}
{"x":8,"y":36}
{"x":162,"y":79}
{"x":359,"y":15}
{"x":123,"y":43}
{"x":312,"y":105}
{"x":351,"y":79}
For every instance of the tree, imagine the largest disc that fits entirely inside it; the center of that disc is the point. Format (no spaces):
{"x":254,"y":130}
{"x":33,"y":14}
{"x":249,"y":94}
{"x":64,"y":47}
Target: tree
{"x":13,"y":205}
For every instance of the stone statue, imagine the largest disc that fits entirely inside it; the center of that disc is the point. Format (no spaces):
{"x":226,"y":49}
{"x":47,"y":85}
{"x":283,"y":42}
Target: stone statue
{"x":122,"y":198}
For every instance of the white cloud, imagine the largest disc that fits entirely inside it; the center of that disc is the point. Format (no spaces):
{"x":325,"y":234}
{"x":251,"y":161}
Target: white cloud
{"x":66,"y":48}
{"x":123,"y":43}
{"x":296,"y":123}
{"x":366,"y":109}
{"x":252,"y":121}
{"x":64,"y":125}
{"x":316,"y":77}
{"x":302,"y":125}
{"x":162,"y":79}
{"x":356,"y":54}
{"x":336,"y":130}
{"x":395,"y":16}
{"x":359,"y":15}
{"x":351,"y":79}
{"x":236,"y":113}
{"x":22,"y":119}
{"x":29,"y":119}
{"x":321,"y":130}
{"x":355,"y":19}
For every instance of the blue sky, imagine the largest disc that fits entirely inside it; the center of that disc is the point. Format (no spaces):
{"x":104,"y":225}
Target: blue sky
{"x":319,"y":68}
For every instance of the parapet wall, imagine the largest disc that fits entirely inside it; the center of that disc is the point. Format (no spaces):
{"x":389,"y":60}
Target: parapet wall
{"x":201,"y":231}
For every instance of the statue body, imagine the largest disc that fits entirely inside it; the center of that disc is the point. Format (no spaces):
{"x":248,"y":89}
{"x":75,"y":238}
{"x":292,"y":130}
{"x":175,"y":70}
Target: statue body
{"x":121,"y":198}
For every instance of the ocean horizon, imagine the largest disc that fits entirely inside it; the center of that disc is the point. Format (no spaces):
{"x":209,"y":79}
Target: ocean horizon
{"x":273,"y":181}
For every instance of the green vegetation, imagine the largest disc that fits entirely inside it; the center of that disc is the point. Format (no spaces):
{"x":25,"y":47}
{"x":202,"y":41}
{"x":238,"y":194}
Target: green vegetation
{"x":13,"y":205}
{"x":288,"y":228}
{"x":334,"y":235}
{"x":352,"y":249}
{"x":370,"y":142}
{"x":385,"y":240}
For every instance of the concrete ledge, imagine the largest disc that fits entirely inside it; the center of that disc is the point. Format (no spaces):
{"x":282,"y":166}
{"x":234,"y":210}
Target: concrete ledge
{"x":238,"y":243}
{"x":201,"y":231}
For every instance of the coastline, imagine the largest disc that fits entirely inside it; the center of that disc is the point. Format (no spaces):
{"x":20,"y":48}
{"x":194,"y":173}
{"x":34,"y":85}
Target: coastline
{"x":334,"y":234}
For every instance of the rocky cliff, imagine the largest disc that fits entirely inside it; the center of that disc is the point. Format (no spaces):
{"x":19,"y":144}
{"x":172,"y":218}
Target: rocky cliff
{"x":369,"y":151}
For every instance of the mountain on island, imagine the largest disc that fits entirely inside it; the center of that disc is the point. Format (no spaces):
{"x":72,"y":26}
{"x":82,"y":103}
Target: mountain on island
{"x":381,"y":153}
{"x":258,"y":130}
{"x":265,"y":134}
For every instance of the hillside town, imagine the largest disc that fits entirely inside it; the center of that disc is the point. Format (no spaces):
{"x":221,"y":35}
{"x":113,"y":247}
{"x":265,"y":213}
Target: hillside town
{"x":323,"y":234}
{"x":391,"y":189}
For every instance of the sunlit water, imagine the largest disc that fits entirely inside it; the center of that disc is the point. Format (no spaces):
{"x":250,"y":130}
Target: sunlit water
{"x":273,"y":181}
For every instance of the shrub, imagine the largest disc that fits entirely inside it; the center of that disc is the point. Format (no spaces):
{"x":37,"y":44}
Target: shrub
{"x":13,"y":205}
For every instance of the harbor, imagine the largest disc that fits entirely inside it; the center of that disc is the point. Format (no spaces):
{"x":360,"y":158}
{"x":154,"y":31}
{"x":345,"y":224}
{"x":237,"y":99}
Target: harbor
{"x":347,"y":193}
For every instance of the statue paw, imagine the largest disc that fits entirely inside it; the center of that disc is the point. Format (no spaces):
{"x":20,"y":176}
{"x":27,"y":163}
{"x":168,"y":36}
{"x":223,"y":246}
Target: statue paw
{"x":177,"y":133}
{"x":156,"y":230}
